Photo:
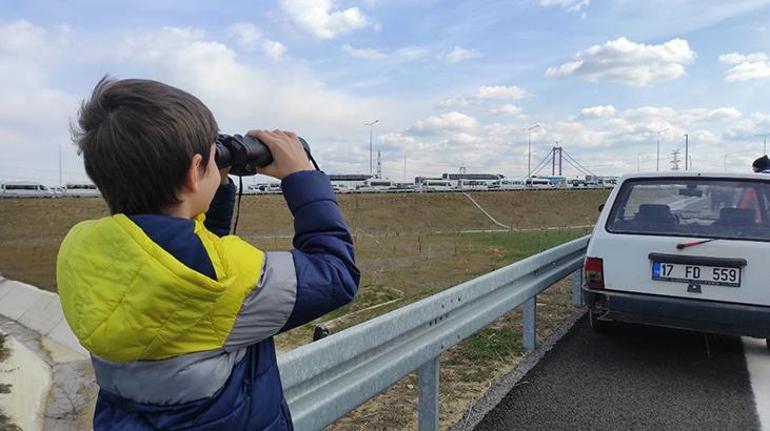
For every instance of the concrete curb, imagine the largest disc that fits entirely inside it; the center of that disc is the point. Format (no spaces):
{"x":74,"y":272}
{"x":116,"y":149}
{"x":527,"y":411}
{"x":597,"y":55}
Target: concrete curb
{"x":500,"y":389}
{"x":34,"y":319}
{"x":38,"y":310}
{"x":24,"y":369}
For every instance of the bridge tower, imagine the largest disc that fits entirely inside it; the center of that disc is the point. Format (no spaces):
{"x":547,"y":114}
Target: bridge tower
{"x":556,"y":152}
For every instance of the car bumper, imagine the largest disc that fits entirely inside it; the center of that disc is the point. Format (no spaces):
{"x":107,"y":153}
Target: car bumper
{"x":698,"y":315}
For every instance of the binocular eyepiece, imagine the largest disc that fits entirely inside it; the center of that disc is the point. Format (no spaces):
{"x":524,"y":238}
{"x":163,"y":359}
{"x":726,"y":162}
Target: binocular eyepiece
{"x":245,"y":154}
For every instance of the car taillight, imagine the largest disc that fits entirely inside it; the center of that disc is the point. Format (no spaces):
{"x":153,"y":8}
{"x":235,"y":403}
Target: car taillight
{"x":594,"y":272}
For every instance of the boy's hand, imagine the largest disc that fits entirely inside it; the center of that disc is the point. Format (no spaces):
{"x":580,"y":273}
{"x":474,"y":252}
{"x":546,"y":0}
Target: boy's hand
{"x":225,"y":180}
{"x":288,"y":154}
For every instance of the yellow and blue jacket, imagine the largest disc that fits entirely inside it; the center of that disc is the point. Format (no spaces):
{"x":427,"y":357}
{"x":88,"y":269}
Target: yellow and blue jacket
{"x":179,"y":316}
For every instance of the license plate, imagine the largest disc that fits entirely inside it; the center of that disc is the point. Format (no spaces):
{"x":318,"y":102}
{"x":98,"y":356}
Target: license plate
{"x":697,"y":274}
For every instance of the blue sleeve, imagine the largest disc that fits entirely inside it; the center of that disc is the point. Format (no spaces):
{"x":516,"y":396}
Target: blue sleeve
{"x":220,"y":214}
{"x":324,"y":261}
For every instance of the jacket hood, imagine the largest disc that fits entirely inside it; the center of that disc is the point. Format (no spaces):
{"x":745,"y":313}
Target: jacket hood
{"x":126,"y":298}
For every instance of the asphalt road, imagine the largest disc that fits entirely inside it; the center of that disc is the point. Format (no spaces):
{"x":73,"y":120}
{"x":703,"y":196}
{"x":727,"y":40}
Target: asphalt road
{"x":632,"y":378}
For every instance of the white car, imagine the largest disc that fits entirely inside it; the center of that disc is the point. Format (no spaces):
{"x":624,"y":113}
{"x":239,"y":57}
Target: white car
{"x":683,"y":250}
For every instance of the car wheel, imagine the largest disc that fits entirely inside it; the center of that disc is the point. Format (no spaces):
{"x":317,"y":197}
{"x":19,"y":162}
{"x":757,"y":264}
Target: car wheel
{"x":767,"y":343}
{"x":598,"y":325}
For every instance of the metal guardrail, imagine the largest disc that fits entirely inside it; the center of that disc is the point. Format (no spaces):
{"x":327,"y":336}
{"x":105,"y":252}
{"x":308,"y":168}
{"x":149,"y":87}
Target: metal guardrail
{"x":326,"y":379}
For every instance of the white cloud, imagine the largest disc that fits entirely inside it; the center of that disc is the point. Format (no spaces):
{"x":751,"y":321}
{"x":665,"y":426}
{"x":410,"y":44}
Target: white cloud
{"x":366,"y":53}
{"x":506,"y":109}
{"x":458,"y":54}
{"x":568,"y":5}
{"x":319,"y":18}
{"x":598,"y":111}
{"x":682,"y":117}
{"x":736,"y":58}
{"x":501,"y":92}
{"x":274,"y":50}
{"x":746,"y":67}
{"x":624,"y":61}
{"x":407,"y":53}
{"x":748,"y":127}
{"x":288,"y":97}
{"x":31,"y":105}
{"x":448,"y":122}
{"x":412,"y":52}
{"x":241,"y":97}
{"x":249,"y":37}
{"x":22,"y":38}
{"x":604,"y":138}
{"x":456,"y":102}
{"x":485,"y":92}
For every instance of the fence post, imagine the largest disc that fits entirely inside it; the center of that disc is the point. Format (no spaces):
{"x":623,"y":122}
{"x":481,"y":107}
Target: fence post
{"x":577,"y":288}
{"x":530,"y":327}
{"x":428,"y":405}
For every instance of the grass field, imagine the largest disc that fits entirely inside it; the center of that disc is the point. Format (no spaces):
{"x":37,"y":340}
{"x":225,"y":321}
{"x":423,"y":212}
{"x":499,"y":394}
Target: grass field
{"x":408,"y":246}
{"x":32,"y":229}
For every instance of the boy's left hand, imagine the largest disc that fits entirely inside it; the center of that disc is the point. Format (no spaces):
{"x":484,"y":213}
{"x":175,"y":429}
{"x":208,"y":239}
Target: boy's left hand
{"x":223,"y":174}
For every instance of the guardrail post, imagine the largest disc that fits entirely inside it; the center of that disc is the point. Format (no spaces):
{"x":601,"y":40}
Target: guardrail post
{"x":530,"y":327}
{"x":577,"y":291}
{"x":428,"y":380}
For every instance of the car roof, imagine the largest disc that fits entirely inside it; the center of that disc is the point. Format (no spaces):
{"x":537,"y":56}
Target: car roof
{"x":692,"y":174}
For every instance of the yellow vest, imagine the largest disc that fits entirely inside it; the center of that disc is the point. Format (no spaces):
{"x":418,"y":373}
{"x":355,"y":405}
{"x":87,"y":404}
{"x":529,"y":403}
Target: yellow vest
{"x":128,"y":299}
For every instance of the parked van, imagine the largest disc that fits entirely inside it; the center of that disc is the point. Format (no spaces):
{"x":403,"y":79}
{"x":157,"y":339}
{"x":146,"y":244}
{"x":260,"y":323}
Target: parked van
{"x":81,"y":190}
{"x":378,"y":185}
{"x":436,"y":186}
{"x":25,"y":189}
{"x":506,"y":184}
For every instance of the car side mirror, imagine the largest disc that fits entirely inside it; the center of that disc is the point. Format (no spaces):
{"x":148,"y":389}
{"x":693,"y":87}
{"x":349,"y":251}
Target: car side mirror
{"x":601,"y":208}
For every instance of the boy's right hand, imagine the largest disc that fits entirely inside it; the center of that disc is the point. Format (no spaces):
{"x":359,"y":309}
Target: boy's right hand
{"x":288,"y":153}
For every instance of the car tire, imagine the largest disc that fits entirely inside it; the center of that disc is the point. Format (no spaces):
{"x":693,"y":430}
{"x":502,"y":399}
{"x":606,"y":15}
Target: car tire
{"x":767,"y":343}
{"x":599,"y":326}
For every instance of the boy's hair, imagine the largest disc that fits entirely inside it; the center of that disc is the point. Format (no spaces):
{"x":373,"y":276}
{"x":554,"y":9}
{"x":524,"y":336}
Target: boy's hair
{"x":137,"y":138}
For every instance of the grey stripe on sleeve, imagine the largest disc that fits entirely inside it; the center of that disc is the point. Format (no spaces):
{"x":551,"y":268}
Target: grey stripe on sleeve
{"x":169,"y":381}
{"x":268,"y":307}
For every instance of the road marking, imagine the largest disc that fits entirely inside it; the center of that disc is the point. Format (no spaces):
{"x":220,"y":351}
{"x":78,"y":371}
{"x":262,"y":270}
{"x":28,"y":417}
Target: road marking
{"x":758,"y":363}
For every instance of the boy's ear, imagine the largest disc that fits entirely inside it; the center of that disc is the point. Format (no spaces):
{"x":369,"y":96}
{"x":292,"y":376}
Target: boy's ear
{"x":192,"y":179}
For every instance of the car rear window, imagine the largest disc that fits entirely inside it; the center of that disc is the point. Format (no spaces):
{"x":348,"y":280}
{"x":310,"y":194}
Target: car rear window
{"x":693,"y":207}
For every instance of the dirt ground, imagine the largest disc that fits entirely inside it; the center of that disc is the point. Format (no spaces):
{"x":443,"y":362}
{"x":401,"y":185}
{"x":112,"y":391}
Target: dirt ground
{"x":408,"y":246}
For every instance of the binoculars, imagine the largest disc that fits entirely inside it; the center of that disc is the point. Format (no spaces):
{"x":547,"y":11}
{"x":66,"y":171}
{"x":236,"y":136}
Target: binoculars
{"x":245,"y":154}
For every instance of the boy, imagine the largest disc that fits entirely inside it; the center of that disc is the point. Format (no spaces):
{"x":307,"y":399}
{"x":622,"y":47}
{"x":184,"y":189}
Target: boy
{"x":177,"y":314}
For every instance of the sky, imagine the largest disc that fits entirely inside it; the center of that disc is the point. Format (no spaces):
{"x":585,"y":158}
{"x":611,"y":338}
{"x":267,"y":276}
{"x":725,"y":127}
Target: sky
{"x":452,"y":84}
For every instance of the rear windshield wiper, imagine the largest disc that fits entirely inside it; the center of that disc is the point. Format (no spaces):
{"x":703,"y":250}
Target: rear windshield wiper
{"x":684,"y":245}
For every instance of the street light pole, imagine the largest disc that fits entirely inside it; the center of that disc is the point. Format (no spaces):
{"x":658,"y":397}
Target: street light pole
{"x":60,"y":179}
{"x":657,"y":162}
{"x":686,"y":151}
{"x":529,"y":151}
{"x":371,"y":161}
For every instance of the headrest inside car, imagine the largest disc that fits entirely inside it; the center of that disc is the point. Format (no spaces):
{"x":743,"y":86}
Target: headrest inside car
{"x":736,"y":217}
{"x":654,"y":213}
